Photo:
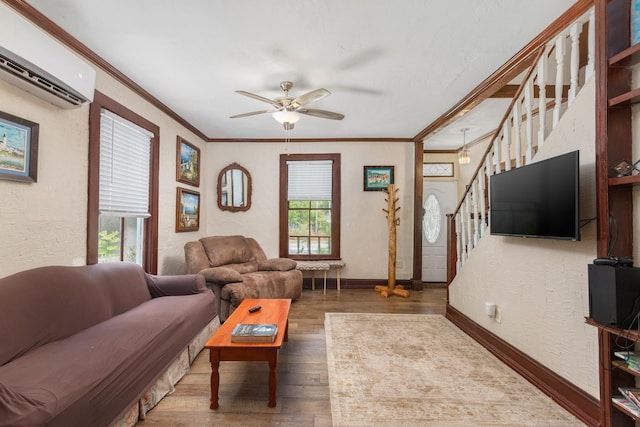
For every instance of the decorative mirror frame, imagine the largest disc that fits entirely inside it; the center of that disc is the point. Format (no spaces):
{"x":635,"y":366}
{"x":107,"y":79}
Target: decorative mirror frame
{"x":222,"y":176}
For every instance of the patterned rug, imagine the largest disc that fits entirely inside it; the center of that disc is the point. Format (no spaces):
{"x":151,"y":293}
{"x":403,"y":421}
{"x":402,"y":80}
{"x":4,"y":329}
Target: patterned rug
{"x":421,"y":370}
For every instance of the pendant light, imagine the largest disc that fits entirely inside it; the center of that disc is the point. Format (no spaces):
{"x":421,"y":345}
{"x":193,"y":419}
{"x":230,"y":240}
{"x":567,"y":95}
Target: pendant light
{"x":464,"y":157}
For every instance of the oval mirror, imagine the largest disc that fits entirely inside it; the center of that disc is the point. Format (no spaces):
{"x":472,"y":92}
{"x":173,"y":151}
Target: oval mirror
{"x":234,"y":188}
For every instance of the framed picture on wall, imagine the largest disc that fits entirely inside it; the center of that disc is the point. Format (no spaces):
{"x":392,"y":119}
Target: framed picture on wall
{"x":187,"y":210}
{"x":377,"y":178}
{"x":188,"y":163}
{"x":18,"y":148}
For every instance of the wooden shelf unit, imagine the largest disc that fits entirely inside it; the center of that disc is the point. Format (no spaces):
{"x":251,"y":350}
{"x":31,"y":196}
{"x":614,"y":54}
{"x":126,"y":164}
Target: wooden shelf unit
{"x":615,"y":373}
{"x":615,"y":59}
{"x":615,"y":96}
{"x":624,"y":180}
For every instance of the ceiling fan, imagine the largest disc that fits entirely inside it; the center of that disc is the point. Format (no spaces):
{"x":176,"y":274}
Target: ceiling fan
{"x":287,"y":110}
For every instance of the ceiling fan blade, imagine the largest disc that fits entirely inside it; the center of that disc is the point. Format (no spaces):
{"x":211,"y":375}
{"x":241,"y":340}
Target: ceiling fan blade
{"x":310,"y":97}
{"x":253,"y":113}
{"x":258,"y":97}
{"x":320,"y":113}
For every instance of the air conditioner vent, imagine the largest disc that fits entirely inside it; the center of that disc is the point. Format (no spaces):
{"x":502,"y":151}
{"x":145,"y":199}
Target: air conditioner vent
{"x":36,"y":62}
{"x":9,"y":66}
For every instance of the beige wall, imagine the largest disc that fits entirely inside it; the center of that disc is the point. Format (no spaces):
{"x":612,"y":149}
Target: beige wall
{"x":541,"y":285}
{"x":44,"y":223}
{"x":462,"y":173}
{"x":364,"y":235}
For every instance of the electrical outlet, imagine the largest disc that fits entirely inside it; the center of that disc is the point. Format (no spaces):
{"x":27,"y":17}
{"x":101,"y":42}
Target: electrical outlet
{"x":400,"y":264}
{"x":498,"y":315}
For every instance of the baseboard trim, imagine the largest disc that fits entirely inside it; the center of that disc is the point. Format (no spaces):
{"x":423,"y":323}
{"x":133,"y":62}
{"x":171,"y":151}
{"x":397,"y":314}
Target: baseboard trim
{"x":570,"y":397}
{"x":371,"y":283}
{"x":346,"y":283}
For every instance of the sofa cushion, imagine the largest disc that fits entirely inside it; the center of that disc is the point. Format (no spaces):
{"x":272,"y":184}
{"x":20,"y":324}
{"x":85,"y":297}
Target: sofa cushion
{"x":223,"y":250}
{"x":264,"y":284}
{"x":258,"y":253}
{"x":277,"y":264}
{"x":101,"y":370}
{"x":221,"y":275}
{"x":245,"y":267}
{"x":76,"y":297}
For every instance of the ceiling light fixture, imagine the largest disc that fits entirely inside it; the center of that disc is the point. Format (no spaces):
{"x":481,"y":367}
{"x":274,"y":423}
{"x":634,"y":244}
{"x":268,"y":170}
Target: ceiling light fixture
{"x":287,"y":118}
{"x":464,"y":157}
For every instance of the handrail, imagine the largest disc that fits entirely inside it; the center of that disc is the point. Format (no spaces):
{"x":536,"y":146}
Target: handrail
{"x":509,"y":70}
{"x":504,"y":119}
{"x":468,"y":222}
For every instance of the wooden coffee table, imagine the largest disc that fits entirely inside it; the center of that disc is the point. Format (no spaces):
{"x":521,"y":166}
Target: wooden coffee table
{"x":222,"y":349}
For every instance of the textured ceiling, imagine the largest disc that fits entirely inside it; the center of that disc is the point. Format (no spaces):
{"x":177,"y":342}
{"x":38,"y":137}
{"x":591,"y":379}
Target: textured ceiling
{"x":393,"y":67}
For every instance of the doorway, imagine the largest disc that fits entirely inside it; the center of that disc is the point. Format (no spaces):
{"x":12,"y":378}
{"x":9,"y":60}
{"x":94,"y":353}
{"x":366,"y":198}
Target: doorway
{"x":440,"y":198}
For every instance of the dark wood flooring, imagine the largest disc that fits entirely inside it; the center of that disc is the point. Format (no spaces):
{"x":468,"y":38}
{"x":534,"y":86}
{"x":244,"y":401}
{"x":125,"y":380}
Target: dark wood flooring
{"x":303,"y":386}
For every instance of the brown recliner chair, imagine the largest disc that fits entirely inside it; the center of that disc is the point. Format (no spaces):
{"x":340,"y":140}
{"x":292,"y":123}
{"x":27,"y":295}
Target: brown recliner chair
{"x":236,"y":267}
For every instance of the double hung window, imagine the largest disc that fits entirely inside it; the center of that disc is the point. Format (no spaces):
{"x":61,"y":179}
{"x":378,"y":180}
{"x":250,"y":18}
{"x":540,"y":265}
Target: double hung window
{"x":123,"y":201}
{"x":310,"y":206}
{"x":125,"y":165}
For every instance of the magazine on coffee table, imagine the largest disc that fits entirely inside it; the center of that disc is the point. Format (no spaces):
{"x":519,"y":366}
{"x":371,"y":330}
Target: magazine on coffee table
{"x":259,"y":332}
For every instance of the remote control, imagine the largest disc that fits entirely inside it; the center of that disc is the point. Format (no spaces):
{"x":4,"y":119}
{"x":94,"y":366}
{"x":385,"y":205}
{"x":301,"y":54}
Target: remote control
{"x":254,"y":309}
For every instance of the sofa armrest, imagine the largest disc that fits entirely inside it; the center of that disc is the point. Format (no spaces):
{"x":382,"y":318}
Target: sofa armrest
{"x":195,"y":257}
{"x":277,"y":264}
{"x":221,"y":275}
{"x":163,"y":286}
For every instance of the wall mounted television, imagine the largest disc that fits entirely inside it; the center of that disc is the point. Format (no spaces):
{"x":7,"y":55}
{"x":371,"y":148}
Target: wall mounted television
{"x":538,"y":200}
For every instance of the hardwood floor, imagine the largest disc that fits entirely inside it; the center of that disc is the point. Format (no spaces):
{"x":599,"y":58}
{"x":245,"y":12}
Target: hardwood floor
{"x":303,"y":386}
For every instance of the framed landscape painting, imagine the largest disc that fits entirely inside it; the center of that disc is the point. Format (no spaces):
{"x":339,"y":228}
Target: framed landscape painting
{"x":187,"y":210}
{"x":188,"y":163}
{"x":18,"y":148}
{"x":377,"y":178}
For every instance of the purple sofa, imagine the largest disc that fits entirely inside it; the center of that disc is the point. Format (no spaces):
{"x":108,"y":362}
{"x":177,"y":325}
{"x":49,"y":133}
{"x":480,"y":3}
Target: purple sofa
{"x":82,"y":345}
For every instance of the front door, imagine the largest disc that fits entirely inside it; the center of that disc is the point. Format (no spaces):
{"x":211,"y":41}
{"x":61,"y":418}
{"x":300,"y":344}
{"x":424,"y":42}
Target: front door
{"x":440,"y":198}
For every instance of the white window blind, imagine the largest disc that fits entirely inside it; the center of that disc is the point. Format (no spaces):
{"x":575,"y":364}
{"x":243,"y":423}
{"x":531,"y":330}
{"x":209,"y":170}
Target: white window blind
{"x":125,"y":163}
{"x":310,"y":179}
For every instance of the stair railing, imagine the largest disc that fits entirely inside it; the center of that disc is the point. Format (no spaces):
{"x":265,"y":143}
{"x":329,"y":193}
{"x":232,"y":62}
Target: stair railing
{"x":523,"y":129}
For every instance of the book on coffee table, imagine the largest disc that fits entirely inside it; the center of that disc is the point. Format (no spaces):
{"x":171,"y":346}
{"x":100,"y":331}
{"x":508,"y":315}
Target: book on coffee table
{"x":259,"y":332}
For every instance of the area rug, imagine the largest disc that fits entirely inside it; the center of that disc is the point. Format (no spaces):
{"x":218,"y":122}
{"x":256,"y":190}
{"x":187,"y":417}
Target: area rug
{"x":421,"y":370}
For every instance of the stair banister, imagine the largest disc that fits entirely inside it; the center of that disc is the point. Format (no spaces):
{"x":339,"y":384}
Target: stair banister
{"x":507,"y":148}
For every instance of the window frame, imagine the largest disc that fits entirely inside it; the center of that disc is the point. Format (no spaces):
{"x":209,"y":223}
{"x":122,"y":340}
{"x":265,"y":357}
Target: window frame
{"x":150,"y":257}
{"x":335,"y":206}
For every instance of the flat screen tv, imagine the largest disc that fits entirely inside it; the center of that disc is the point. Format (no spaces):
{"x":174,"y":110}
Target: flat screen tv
{"x":537,"y":200}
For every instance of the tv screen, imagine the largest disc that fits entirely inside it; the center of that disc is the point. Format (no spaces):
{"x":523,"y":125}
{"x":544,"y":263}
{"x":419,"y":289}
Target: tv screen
{"x":537,"y":200}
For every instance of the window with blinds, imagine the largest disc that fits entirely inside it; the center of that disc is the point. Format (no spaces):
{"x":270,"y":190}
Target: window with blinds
{"x":125,"y":171}
{"x":125,"y":163}
{"x":311,"y":211}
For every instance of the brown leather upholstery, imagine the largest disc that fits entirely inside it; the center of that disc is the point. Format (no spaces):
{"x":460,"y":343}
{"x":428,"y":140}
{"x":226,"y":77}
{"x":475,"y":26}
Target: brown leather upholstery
{"x":236,"y":267}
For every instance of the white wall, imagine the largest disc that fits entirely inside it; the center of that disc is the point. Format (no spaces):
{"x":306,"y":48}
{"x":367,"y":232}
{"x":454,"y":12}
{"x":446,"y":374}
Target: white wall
{"x":541,"y":286}
{"x":364,"y":236}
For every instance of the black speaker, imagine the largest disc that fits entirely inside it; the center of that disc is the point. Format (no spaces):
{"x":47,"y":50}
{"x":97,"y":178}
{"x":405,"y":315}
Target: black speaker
{"x":614,"y":295}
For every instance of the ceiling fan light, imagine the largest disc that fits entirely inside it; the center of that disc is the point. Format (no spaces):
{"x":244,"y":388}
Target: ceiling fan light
{"x":285,"y":116}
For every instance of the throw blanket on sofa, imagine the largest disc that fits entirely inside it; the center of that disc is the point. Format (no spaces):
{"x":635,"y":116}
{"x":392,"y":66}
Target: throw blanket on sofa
{"x":80,"y":345}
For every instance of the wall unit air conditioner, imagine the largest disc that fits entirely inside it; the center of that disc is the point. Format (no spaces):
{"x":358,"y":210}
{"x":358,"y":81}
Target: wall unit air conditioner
{"x":32,"y":60}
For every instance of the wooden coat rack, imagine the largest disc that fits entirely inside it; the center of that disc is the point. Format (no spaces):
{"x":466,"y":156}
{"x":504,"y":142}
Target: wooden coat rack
{"x":392,"y":223}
